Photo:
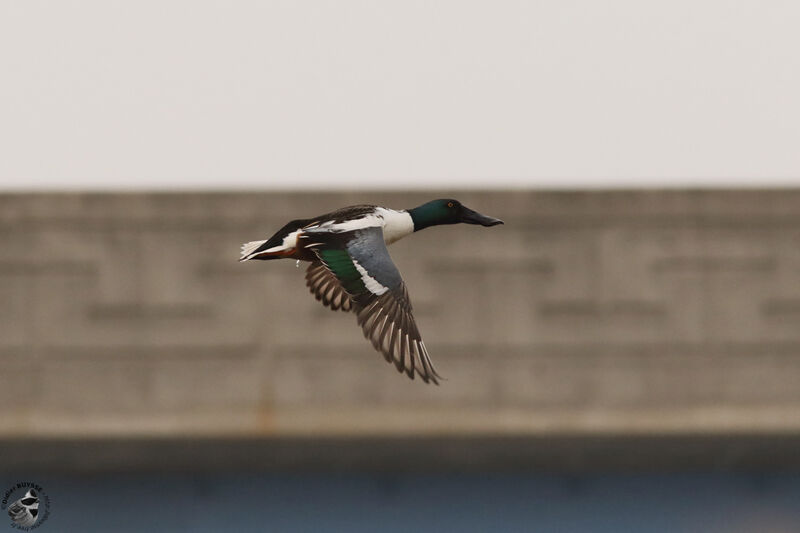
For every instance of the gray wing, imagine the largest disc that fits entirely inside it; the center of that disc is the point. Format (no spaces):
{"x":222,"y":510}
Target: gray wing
{"x":361,"y":263}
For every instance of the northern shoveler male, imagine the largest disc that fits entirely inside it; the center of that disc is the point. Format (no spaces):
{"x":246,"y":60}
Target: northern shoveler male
{"x":351,"y":269}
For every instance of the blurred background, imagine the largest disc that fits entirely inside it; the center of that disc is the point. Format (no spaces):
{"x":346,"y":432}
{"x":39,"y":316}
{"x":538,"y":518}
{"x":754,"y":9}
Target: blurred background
{"x":622,"y":355}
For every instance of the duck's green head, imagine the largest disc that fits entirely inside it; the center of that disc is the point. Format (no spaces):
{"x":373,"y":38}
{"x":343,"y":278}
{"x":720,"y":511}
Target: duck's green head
{"x":448,"y":211}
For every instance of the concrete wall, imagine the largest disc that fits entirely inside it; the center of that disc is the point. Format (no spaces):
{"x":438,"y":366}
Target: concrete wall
{"x":589,"y":314}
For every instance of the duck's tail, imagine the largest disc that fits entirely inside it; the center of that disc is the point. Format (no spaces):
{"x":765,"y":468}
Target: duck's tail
{"x":280,"y":245}
{"x":261,"y":250}
{"x":249,"y":249}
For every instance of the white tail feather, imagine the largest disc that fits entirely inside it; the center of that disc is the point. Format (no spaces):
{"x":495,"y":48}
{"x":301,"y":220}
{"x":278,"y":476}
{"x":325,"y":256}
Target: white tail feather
{"x":248,"y":248}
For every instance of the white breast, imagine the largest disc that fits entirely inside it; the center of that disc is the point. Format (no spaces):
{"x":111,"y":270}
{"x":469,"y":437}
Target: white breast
{"x":397,"y":224}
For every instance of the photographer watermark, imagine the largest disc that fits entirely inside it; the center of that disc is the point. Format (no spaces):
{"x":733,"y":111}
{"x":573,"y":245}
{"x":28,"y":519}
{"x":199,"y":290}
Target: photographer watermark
{"x":27,"y":505}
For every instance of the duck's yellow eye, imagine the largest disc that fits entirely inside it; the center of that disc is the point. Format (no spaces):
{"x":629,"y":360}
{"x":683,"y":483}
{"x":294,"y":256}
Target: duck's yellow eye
{"x":449,"y":204}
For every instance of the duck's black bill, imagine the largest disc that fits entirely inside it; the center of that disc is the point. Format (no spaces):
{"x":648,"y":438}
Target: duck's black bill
{"x":469,"y":216}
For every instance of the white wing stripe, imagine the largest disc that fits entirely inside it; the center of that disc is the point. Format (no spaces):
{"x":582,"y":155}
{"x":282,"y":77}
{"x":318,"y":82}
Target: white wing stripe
{"x":370,"y":283}
{"x":368,"y":221}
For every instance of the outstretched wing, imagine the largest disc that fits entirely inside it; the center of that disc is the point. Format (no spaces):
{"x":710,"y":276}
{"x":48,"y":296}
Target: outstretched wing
{"x":326,"y":287}
{"x":360,"y":262}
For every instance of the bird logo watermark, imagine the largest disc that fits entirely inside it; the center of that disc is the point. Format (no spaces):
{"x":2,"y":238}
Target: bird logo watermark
{"x":27,"y":504}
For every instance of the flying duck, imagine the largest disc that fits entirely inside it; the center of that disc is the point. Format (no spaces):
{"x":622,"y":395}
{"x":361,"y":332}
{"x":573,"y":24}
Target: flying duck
{"x":351,"y":269}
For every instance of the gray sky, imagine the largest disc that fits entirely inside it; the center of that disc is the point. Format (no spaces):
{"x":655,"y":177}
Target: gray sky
{"x":231,"y":94}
